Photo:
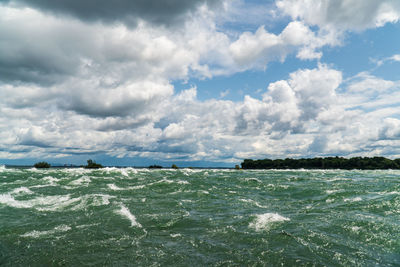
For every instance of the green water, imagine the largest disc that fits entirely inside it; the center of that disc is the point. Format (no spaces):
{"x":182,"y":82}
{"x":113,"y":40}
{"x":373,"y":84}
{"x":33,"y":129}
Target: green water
{"x":140,"y":217}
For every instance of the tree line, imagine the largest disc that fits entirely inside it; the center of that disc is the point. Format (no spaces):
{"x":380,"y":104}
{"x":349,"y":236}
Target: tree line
{"x":362,"y":163}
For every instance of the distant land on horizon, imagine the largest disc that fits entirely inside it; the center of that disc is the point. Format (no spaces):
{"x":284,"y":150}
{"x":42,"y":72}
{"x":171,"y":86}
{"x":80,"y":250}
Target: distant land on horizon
{"x":363,"y":163}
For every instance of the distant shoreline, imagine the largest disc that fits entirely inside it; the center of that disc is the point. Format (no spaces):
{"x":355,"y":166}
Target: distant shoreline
{"x":328,"y":163}
{"x":118,"y":167}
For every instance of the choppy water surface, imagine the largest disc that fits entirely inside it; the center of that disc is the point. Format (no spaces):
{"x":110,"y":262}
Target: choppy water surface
{"x":140,"y":217}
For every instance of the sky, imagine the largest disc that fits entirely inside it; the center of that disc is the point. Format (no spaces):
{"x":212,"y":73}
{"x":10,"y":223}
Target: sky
{"x":198,"y":82}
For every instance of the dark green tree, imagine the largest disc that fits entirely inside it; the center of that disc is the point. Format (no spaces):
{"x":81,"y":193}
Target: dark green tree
{"x":93,"y":165}
{"x":42,"y":165}
{"x":174,"y":166}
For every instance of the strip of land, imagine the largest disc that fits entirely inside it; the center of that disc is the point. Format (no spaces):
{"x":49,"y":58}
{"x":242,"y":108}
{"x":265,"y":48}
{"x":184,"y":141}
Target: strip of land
{"x":362,"y":163}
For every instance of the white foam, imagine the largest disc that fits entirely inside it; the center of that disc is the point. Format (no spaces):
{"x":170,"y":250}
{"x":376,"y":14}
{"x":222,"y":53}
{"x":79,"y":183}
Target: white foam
{"x":114,"y":187}
{"x":105,"y":200}
{"x":355,"y":229}
{"x":7,"y":199}
{"x":82,"y":181}
{"x":175,"y":235}
{"x":94,"y":200}
{"x":356,"y":199}
{"x":331,"y":191}
{"x":251,"y":201}
{"x":389,"y":193}
{"x":22,"y":191}
{"x":337,"y":179}
{"x":37,"y":234}
{"x":43,"y":203}
{"x":263,"y":221}
{"x":124,"y":211}
{"x":252,"y":179}
{"x":130,"y":169}
{"x":77,"y":171}
{"x":137,"y":187}
{"x":124,"y":172}
{"x":51,"y":180}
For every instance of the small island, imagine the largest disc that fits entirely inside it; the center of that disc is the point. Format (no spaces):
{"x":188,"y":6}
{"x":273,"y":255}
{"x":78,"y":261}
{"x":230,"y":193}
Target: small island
{"x":155,"y":167}
{"x":42,"y":165}
{"x":174,"y":167}
{"x":361,"y":163}
{"x":92,"y":165}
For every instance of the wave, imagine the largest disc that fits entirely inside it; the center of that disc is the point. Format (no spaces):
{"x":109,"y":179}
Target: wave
{"x":355,"y":199}
{"x":2,"y":168}
{"x":53,"y":203}
{"x":37,"y":234}
{"x":263,"y":221}
{"x":47,"y":203}
{"x":22,"y":191}
{"x":251,"y":201}
{"x":82,"y":181}
{"x":124,"y":211}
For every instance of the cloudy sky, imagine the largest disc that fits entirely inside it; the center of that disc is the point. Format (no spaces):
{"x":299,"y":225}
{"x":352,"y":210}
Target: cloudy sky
{"x":198,"y":82}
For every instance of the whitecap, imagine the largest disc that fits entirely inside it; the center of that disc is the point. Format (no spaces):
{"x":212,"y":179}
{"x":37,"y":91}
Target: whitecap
{"x":124,"y":172}
{"x":76,"y":171}
{"x":132,"y":170}
{"x":175,"y":235}
{"x":51,"y":180}
{"x":331,"y":191}
{"x":138,"y":186}
{"x":251,"y":201}
{"x":263,"y":221}
{"x":93,"y":200}
{"x":82,"y":181}
{"x":22,"y":191}
{"x":37,"y":234}
{"x":355,"y":199}
{"x":114,"y":187}
{"x":355,"y":228}
{"x":386,"y":193}
{"x":43,"y":203}
{"x":124,"y":211}
{"x":252,"y":179}
{"x":8,"y":200}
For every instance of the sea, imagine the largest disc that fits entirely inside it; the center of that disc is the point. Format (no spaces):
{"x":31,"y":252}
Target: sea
{"x":199,"y":217}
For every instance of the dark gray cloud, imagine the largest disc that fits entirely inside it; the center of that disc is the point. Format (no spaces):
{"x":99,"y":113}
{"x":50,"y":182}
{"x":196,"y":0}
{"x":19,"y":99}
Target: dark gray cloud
{"x":165,"y":12}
